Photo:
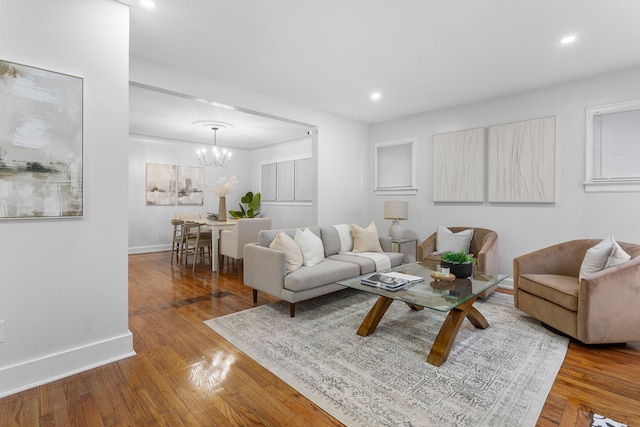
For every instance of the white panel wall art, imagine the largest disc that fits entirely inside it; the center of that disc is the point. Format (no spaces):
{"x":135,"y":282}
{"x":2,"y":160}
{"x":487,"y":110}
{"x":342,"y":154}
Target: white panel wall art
{"x":459,"y":166}
{"x":521,"y":167}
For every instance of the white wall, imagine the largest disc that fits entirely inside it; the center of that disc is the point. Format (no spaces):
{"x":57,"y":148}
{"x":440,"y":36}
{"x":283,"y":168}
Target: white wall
{"x":339,"y":148}
{"x":150,"y":229}
{"x":522,"y":228}
{"x":63,"y":292}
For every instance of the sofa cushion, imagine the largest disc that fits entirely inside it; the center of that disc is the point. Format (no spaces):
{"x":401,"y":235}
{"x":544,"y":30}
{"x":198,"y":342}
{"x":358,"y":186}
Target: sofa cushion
{"x":367,"y":265}
{"x":346,"y":238}
{"x":265,"y":237}
{"x":291,"y":249}
{"x":328,"y":271}
{"x":596,"y":257}
{"x":330,"y":240}
{"x":448,"y":241}
{"x":560,"y":290}
{"x":365,"y":239}
{"x":311,"y":247}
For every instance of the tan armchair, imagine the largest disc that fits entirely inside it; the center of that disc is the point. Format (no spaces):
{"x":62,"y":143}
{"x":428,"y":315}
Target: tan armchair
{"x":484,"y":247}
{"x":601,"y":308}
{"x":231,"y":243}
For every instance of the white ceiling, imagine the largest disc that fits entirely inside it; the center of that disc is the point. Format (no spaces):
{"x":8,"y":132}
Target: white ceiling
{"x":420,"y":54}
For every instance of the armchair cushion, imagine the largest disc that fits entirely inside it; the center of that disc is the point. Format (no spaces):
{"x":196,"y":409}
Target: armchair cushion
{"x":618,"y":256}
{"x":596,"y":257}
{"x":448,"y":241}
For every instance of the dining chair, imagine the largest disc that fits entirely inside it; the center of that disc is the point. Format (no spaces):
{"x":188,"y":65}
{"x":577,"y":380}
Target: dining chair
{"x":231,"y":242}
{"x":178,"y":239}
{"x":197,"y":242}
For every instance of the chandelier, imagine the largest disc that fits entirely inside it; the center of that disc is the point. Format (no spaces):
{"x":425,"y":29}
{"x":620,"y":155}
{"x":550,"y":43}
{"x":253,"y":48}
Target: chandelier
{"x":218,"y":158}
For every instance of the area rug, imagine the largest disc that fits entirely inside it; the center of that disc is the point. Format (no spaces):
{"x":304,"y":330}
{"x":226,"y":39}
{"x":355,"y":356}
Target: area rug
{"x":498,"y":376}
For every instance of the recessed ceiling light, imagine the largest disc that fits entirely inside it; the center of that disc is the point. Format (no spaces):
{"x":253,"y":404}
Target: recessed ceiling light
{"x":376,"y":96}
{"x":148,"y":3}
{"x":568,"y":39}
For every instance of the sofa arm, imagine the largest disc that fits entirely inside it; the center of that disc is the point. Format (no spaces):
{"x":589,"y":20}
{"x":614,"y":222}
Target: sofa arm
{"x":608,"y":305}
{"x":427,"y":247}
{"x":264,"y":269}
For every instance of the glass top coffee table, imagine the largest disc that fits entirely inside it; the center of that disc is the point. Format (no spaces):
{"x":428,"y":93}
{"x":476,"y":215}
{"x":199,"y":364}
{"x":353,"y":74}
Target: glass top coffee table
{"x":455,"y":297}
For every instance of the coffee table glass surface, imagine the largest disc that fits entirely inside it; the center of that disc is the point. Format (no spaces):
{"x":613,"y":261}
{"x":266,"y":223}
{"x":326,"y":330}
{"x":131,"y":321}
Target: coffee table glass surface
{"x":455,"y":297}
{"x":436,"y":295}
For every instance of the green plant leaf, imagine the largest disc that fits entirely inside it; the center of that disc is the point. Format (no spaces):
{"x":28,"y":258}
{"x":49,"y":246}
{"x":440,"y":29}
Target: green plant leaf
{"x":255,"y":202}
{"x":457,"y":257}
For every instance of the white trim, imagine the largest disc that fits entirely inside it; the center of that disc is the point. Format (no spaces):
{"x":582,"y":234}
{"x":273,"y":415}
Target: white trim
{"x":404,"y":190}
{"x":52,"y":367}
{"x":148,"y":249}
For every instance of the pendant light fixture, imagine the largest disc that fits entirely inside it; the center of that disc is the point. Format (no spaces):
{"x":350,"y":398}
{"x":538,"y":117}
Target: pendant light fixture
{"x":217,"y":158}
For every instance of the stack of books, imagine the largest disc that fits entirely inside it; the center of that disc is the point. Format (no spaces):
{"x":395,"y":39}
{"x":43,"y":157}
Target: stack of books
{"x":391,"y":281}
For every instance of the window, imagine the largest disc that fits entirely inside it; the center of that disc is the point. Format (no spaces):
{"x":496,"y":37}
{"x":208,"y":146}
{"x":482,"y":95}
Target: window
{"x":613,"y":147}
{"x":395,"y":167}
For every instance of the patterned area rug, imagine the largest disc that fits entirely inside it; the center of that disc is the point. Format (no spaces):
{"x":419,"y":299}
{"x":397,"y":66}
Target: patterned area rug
{"x":498,"y":376}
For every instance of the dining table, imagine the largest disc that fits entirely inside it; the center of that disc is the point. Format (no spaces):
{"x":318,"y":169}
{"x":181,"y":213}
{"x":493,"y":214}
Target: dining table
{"x":216,"y":226}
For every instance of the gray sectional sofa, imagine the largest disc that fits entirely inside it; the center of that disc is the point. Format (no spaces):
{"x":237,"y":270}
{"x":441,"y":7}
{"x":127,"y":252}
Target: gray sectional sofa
{"x":265,"y":268}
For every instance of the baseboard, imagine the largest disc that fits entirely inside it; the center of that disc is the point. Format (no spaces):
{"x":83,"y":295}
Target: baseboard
{"x":147,"y":249}
{"x":52,"y":367}
{"x":506,"y":283}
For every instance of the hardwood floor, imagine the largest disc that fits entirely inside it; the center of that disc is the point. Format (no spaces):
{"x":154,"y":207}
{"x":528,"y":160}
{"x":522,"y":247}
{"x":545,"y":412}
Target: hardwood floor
{"x":184,"y":374}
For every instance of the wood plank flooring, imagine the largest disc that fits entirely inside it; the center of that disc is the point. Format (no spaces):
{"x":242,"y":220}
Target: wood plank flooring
{"x":185,"y":375}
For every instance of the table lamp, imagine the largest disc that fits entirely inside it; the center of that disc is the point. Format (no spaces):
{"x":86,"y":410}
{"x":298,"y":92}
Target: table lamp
{"x":395,"y":211}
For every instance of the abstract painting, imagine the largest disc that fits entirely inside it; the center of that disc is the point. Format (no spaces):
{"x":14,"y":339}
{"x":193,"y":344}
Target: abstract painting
{"x":522,"y":162}
{"x":190,"y":186}
{"x":41,"y":173}
{"x":161,"y":184}
{"x":459,"y":166}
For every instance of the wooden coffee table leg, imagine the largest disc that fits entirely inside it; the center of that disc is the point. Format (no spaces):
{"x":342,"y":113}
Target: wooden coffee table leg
{"x":370,"y":323}
{"x":449,"y":330}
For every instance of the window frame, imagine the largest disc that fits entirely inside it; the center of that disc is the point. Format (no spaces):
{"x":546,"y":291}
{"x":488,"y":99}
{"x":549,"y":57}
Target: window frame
{"x":592,"y":184}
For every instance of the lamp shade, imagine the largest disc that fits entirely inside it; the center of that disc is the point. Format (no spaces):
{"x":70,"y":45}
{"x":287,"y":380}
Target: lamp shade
{"x":396,"y":210}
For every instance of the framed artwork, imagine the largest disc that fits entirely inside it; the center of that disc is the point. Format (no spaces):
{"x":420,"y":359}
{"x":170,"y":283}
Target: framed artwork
{"x":459,"y":166}
{"x":41,"y":165}
{"x":521,"y":165}
{"x":161,"y":184}
{"x":190,"y":186}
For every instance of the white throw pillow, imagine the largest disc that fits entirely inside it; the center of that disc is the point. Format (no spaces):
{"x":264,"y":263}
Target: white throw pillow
{"x":448,"y":241}
{"x":291,"y":250}
{"x":596,"y":258}
{"x":311,"y":246}
{"x":346,"y":239}
{"x":365,"y":239}
{"x":617,"y":257}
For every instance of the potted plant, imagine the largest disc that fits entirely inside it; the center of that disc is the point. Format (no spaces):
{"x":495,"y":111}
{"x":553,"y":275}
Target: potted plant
{"x":460,"y":263}
{"x":252,"y":201}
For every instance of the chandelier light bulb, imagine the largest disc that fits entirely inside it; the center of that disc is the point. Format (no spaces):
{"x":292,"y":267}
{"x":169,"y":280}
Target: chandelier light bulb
{"x":218,"y":159}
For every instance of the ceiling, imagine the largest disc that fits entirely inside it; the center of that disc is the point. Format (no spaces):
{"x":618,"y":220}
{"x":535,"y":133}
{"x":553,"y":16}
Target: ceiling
{"x":330,"y":55}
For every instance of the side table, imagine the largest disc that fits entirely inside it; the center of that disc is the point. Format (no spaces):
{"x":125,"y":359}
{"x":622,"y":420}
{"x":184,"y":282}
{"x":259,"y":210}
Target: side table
{"x":403,"y":240}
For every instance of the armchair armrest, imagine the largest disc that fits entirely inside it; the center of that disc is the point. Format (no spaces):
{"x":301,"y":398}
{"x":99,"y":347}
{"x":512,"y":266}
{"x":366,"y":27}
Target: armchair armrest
{"x":608,"y":305}
{"x":488,"y":254}
{"x":264,"y":269}
{"x":427,"y":247}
